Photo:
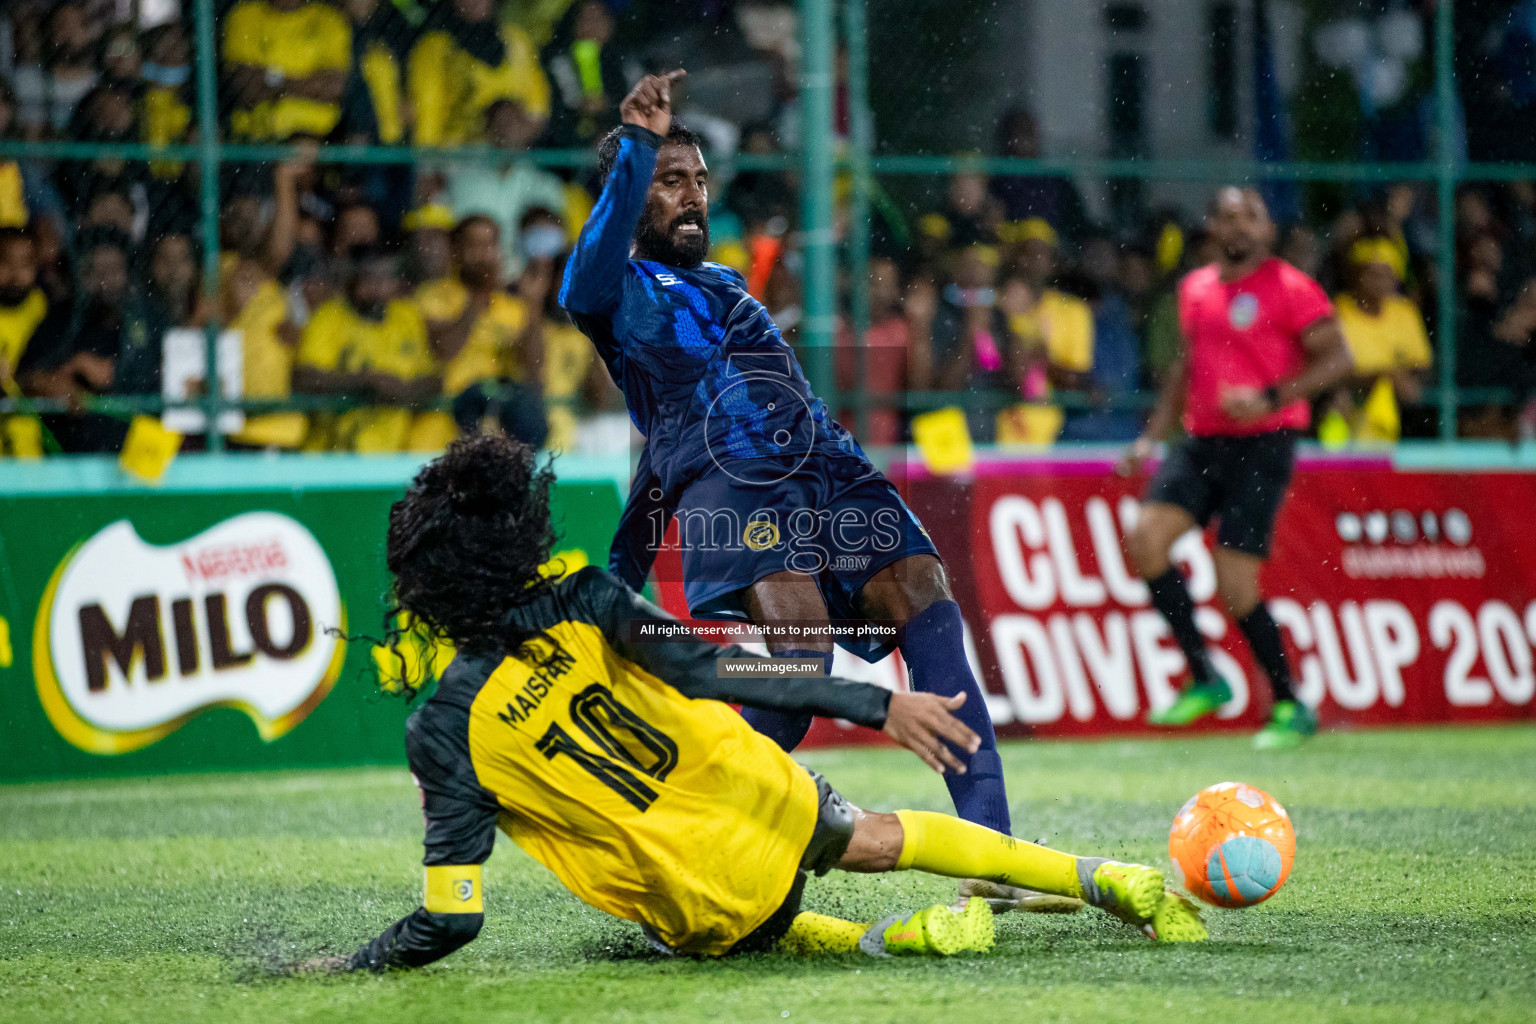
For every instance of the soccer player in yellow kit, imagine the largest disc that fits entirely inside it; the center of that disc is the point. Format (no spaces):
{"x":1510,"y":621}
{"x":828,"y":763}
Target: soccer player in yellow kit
{"x":613,"y":759}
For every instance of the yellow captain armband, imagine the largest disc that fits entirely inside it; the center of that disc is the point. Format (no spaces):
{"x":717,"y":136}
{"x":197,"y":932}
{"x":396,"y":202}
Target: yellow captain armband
{"x":453,"y":889}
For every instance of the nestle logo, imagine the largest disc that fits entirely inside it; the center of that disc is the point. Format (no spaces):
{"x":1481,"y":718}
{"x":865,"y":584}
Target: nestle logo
{"x":224,"y":561}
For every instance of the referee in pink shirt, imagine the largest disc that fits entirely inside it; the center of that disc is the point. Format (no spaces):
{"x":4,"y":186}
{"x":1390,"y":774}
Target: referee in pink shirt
{"x":1260,"y":339}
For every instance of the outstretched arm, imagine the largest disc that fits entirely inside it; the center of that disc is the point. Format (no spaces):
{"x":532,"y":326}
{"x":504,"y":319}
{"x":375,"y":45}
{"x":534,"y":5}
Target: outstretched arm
{"x":594,"y":274}
{"x":461,"y":831}
{"x":917,"y":721}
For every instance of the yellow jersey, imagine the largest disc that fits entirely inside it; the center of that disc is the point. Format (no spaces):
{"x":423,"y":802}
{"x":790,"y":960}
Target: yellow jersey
{"x":616,"y":764}
{"x":18,"y":324}
{"x":1394,"y":339}
{"x":295,"y":44}
{"x":164,"y":119}
{"x":380,"y":72}
{"x":451,"y":89}
{"x":491,"y":349}
{"x":1064,"y":323}
{"x":338,"y":339}
{"x":20,"y":436}
{"x":268,"y":368}
{"x":568,"y":359}
{"x":13,"y":203}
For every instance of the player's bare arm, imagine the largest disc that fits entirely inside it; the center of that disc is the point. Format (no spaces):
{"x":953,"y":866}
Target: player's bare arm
{"x":1165,"y":413}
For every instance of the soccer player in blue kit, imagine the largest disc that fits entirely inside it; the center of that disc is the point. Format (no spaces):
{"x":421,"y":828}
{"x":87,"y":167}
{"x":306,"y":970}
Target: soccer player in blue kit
{"x":782,"y":517}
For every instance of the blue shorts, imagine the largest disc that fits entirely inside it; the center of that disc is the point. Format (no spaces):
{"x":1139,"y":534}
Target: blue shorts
{"x":837,"y":519}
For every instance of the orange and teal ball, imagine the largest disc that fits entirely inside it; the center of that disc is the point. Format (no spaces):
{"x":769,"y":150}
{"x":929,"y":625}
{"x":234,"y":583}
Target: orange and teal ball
{"x":1232,"y":845}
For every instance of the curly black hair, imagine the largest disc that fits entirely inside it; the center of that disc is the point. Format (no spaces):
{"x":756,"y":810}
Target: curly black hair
{"x":466,"y":544}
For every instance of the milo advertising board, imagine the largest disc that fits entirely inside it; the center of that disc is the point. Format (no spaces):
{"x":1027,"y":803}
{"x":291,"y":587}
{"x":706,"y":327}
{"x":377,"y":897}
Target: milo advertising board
{"x":144,"y":632}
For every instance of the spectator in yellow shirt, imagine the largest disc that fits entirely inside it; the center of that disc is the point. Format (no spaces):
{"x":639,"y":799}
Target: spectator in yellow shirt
{"x":1048,"y":322}
{"x":460,"y":68}
{"x":13,"y":203}
{"x":165,"y":102}
{"x":369,"y":344}
{"x":374,"y":106}
{"x":1386,"y":336}
{"x":559,"y":356}
{"x":473,"y":326}
{"x":26,"y":332}
{"x":286,"y":64}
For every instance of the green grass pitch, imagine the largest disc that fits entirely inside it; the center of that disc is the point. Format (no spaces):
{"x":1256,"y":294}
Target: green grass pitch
{"x":1413,"y":899}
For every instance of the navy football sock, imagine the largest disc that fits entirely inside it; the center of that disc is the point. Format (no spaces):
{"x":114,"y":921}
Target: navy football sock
{"x":933,"y":645}
{"x":785,"y":728}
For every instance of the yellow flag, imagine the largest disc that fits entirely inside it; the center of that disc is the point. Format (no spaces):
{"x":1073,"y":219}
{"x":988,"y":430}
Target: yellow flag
{"x":1379,"y":419}
{"x":148,"y":449}
{"x":944,"y":440}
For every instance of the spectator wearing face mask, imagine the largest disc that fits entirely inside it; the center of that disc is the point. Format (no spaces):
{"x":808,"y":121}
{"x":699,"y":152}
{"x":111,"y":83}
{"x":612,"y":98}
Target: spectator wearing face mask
{"x":968,"y":336}
{"x":48,"y":91}
{"x":165,"y":103}
{"x":506,"y":189}
{"x":472,"y":324}
{"x":369,"y":343}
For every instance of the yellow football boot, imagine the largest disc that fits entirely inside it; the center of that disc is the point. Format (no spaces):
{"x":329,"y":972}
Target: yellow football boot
{"x":938,"y":930}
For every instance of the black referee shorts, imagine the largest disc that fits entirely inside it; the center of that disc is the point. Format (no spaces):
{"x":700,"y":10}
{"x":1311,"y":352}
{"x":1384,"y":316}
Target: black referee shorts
{"x":1239,"y":481}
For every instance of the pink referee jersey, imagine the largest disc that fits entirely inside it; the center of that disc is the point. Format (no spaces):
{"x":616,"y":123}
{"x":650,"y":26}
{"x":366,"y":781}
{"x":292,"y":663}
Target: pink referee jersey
{"x":1246,"y":334}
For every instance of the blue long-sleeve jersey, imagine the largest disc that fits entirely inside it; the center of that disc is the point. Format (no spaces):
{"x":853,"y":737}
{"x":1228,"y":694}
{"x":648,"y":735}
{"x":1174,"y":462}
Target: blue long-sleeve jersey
{"x":707,"y":377}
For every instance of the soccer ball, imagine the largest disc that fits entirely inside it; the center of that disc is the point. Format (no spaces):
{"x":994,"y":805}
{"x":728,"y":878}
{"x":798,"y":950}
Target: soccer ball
{"x":1232,"y":845}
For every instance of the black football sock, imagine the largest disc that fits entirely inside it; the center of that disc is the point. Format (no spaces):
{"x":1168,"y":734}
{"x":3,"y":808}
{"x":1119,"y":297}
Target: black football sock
{"x":1264,"y":640}
{"x":1171,"y":597}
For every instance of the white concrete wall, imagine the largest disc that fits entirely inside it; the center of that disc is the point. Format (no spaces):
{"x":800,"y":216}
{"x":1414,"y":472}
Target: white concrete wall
{"x":1052,"y":55}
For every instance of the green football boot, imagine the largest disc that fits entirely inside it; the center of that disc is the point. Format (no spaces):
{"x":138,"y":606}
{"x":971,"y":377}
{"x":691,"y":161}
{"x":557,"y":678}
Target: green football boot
{"x":1195,"y":702}
{"x":1289,"y":724}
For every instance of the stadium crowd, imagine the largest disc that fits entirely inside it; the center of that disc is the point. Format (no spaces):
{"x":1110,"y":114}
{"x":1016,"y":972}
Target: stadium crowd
{"x":421,"y":296}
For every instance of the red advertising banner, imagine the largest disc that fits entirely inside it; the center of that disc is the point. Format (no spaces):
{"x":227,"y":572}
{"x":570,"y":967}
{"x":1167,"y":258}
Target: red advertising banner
{"x":1404,"y":597}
